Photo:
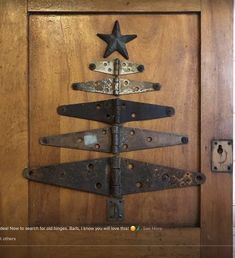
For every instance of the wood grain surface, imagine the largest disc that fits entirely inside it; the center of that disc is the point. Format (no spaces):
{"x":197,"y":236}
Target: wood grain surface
{"x":114,"y":6}
{"x":216,"y":123}
{"x":61,"y":48}
{"x":13,"y":116}
{"x":13,"y":120}
{"x":164,"y":242}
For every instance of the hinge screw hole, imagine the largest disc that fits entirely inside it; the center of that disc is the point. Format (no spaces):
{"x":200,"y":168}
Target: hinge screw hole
{"x":98,"y":185}
{"x":80,"y":140}
{"x":125,"y":146}
{"x":165,"y":177}
{"x":132,"y":132}
{"x":98,"y":106}
{"x":133,"y":115}
{"x":139,"y":184}
{"x":90,"y":166}
{"x":130,"y":166}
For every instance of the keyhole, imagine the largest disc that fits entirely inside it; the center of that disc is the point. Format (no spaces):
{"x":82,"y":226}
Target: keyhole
{"x":220,"y":150}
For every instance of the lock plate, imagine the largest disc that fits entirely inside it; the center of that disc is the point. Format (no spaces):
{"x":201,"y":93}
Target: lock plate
{"x":222,"y":155}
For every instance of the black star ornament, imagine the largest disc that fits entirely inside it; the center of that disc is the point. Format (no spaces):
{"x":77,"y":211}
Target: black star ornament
{"x":116,"y":41}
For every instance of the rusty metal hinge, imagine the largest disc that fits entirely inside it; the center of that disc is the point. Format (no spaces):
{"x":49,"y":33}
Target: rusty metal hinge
{"x":114,"y":139}
{"x":116,"y":111}
{"x":114,"y":176}
{"x":116,"y":86}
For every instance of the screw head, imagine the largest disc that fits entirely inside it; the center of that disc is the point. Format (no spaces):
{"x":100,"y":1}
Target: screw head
{"x":92,"y":66}
{"x":184,"y":140}
{"x":61,"y":110}
{"x":170,"y":111}
{"x":156,"y":86}
{"x":75,"y":86}
{"x":140,"y":68}
{"x":43,"y":140}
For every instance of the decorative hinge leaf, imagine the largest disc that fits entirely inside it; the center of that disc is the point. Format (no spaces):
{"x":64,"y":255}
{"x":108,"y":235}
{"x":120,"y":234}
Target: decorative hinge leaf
{"x":116,"y":66}
{"x":116,"y":87}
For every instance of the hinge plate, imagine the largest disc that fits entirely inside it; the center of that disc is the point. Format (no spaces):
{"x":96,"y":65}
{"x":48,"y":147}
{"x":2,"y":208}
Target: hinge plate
{"x":222,"y":155}
{"x":116,"y":87}
{"x":114,"y":176}
{"x":116,"y":111}
{"x":108,"y":67}
{"x":114,"y":139}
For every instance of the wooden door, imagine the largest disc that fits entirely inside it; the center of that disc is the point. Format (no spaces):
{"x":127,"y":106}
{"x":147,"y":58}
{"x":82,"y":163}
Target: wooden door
{"x":186,"y":47}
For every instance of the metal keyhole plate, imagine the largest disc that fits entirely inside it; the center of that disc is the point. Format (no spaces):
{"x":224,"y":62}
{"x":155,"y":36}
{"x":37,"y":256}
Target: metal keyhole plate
{"x":222,"y":156}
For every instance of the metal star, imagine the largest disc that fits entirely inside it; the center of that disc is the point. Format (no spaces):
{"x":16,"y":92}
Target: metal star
{"x":116,"y":41}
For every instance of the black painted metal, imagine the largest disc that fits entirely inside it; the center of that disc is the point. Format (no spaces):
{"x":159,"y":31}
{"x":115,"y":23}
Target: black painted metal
{"x":116,"y":111}
{"x":116,"y":41}
{"x":114,"y":176}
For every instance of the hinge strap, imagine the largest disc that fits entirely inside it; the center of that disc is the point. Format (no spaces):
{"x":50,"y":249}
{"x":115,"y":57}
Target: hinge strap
{"x":114,"y":176}
{"x":115,"y":139}
{"x":116,"y":111}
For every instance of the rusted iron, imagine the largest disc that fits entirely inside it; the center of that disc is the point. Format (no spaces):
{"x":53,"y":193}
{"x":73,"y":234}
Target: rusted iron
{"x":115,"y":139}
{"x":114,"y":176}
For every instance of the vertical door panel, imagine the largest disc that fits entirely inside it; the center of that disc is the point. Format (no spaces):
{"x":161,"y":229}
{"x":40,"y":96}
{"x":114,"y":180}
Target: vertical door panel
{"x":61,"y":48}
